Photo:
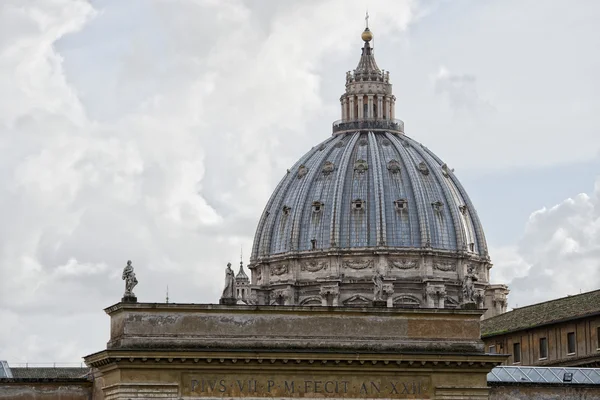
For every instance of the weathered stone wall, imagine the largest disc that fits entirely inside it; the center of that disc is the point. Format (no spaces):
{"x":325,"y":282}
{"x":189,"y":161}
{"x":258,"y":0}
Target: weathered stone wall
{"x":23,"y":390}
{"x":196,"y":327}
{"x":535,"y":392}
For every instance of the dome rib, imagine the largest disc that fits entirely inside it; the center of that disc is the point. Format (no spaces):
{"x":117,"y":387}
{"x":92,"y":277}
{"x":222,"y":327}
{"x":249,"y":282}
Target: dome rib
{"x":420,"y":201}
{"x":299,"y":206}
{"x":378,"y":183}
{"x":262,"y":243}
{"x":474,"y":218}
{"x":339,"y":190}
{"x":448,"y":198}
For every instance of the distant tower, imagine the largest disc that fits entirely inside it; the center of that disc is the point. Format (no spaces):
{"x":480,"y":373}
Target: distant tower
{"x":242,"y":284}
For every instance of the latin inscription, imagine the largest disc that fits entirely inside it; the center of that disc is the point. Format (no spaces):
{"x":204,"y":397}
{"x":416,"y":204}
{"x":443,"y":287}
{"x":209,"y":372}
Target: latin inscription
{"x":410,"y":387}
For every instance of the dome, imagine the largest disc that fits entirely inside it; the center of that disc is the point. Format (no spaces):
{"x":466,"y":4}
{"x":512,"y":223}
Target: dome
{"x":371,"y":217}
{"x":369,"y":189}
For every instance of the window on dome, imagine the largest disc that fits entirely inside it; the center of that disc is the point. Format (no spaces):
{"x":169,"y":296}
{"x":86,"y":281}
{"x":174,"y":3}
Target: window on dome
{"x":400,"y":204}
{"x":358,"y":205}
{"x":313,"y":244}
{"x":317,"y":206}
{"x":471,"y":246}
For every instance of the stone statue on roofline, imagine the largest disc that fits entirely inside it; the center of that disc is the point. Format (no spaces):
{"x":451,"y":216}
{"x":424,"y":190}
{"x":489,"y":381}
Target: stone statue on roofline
{"x":130,"y":282}
{"x":228,"y":296}
{"x":468,"y":288}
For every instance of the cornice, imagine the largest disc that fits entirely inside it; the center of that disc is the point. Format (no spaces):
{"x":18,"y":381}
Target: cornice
{"x":185,"y":360}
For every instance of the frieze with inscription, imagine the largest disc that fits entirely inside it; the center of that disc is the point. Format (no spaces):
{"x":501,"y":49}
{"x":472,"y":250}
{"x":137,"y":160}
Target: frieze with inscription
{"x":389,"y":387}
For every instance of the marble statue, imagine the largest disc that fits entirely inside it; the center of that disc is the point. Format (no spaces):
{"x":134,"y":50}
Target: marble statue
{"x":378,"y":289}
{"x":468,"y":286}
{"x":130,"y":280}
{"x":229,"y":291}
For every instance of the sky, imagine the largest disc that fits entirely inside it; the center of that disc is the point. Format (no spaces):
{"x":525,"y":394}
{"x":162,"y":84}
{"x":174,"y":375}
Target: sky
{"x":156,"y":130}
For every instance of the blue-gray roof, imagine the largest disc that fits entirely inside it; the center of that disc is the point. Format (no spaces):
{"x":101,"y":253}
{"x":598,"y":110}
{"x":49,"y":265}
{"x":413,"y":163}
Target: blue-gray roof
{"x":5,"y":370}
{"x":545,"y":375}
{"x":411,"y":199}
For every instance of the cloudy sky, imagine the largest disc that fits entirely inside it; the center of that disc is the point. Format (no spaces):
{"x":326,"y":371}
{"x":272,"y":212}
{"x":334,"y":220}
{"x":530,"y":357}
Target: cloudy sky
{"x":155,"y":130}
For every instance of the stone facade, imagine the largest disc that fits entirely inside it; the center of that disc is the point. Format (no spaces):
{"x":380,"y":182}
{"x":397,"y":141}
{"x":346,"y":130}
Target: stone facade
{"x":45,"y":389}
{"x":208,"y":351}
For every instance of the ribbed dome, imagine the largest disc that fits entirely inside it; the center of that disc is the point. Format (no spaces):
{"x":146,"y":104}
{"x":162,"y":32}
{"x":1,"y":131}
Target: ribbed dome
{"x":371,"y":217}
{"x":369,"y":189}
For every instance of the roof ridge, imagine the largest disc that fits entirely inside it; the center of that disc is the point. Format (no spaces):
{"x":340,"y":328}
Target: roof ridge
{"x":544,"y":302}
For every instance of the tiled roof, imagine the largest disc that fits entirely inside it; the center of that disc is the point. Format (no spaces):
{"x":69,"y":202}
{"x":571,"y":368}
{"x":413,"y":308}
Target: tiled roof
{"x":49,"y":373}
{"x":566,"y":308}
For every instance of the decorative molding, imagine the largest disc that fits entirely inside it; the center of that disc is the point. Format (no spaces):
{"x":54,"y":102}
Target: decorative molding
{"x":357,"y":300}
{"x":445,"y":267}
{"x":311,"y":301}
{"x":328,"y":167}
{"x":363,"y":142}
{"x":437,"y":206}
{"x":313,"y":266}
{"x":403,"y":264}
{"x":406,"y":300}
{"x":302,"y":171}
{"x":422,"y":167}
{"x":446,"y":171}
{"x":463,"y":209}
{"x":388,"y":289}
{"x":329,"y":290}
{"x":358,"y":264}
{"x":361,"y":166}
{"x":279,"y":269}
{"x":393,"y":166}
{"x":386,"y":142}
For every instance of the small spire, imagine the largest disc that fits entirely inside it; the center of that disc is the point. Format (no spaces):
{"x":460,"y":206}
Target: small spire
{"x":367,"y":19}
{"x":241,"y":275}
{"x":167,"y":299}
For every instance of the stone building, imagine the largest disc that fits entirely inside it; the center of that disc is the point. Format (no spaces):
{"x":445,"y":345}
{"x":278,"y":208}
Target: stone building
{"x":369,"y":279}
{"x":561,"y":332}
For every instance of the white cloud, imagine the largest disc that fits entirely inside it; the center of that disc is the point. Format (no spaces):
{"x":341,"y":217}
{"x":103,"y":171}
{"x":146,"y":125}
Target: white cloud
{"x":149,"y":131}
{"x":558,"y":254}
{"x":158,"y":141}
{"x":460,"y":91}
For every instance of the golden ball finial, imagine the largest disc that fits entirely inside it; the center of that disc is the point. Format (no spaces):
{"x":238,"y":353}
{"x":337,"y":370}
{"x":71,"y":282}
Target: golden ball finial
{"x":367,"y":36}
